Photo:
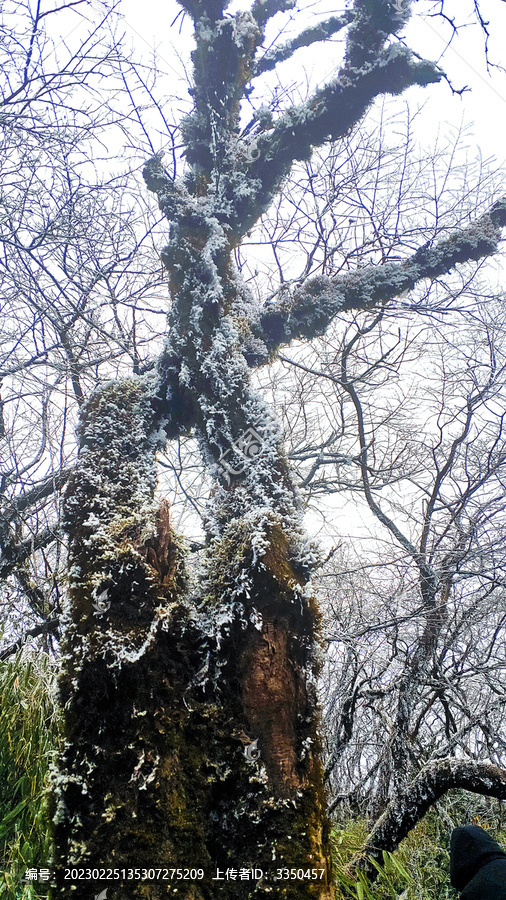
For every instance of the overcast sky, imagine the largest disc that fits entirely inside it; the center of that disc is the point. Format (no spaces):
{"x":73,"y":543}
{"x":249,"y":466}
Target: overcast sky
{"x":149,"y":25}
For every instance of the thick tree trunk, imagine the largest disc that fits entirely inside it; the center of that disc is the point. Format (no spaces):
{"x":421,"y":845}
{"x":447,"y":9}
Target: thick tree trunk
{"x":269,"y":801}
{"x":190,"y":724}
{"x":128,"y":787}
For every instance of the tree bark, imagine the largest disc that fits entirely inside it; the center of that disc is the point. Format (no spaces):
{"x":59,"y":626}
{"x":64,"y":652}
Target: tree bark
{"x":191,"y":721}
{"x":432,"y":783}
{"x":131,"y":772}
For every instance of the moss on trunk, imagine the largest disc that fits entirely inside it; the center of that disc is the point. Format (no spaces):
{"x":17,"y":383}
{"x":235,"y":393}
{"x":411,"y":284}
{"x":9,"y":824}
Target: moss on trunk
{"x":268,"y":799}
{"x":131,"y":781}
{"x":164,"y":696}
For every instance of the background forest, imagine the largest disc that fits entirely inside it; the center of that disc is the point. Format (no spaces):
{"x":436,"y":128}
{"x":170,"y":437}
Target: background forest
{"x":392,"y":415}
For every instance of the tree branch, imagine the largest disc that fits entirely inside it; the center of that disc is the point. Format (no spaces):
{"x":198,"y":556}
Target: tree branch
{"x":427,"y":576}
{"x":199,"y":9}
{"x":321,"y":32}
{"x":263,"y":10}
{"x":49,"y":627}
{"x":40,"y":491}
{"x":432,"y":782}
{"x":308,"y":311}
{"x":328,"y":115}
{"x":15,"y":554}
{"x":373,"y":22}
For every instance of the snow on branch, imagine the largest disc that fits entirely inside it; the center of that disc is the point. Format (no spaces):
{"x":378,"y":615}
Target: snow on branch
{"x":211,"y":9}
{"x":432,"y":782}
{"x":308,"y":310}
{"x":34,"y":495}
{"x":263,"y":10}
{"x":328,"y":115}
{"x":240,"y":173}
{"x":320,"y":32}
{"x":13,"y":555}
{"x":159,"y":183}
{"x":373,"y":22}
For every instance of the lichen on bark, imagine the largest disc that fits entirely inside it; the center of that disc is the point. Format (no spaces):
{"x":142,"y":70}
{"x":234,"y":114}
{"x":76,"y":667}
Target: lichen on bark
{"x":166,"y":693}
{"x":130,"y":782}
{"x":269,"y":811}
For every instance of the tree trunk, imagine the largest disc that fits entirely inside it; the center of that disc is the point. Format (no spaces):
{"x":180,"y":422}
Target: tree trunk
{"x":123,"y":795}
{"x":190,"y":723}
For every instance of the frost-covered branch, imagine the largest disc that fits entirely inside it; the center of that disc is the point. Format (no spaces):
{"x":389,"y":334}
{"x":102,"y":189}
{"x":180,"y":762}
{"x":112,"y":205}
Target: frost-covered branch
{"x":328,"y":115}
{"x":40,"y":491}
{"x":309,"y":309}
{"x":204,"y":9}
{"x":13,"y":555}
{"x":432,"y":782}
{"x":320,"y":32}
{"x":263,"y":10}
{"x":373,"y":22}
{"x":238,"y":174}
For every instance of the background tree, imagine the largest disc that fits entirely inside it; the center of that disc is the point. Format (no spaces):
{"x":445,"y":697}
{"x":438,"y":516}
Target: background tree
{"x":421,"y":677}
{"x":74,"y":235}
{"x":403,"y":409}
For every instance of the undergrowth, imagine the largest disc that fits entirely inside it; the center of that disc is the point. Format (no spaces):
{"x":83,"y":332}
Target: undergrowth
{"x":29,"y":728}
{"x":29,"y":737}
{"x":419,"y":868}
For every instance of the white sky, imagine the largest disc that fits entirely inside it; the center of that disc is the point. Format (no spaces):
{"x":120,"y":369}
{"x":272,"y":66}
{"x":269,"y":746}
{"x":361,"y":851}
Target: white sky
{"x":148,"y":25}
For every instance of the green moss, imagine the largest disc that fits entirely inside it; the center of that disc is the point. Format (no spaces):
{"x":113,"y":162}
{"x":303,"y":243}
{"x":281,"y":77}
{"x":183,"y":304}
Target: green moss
{"x":419,"y":868}
{"x":277,"y":558}
{"x":154,"y":762}
{"x":132,"y":780}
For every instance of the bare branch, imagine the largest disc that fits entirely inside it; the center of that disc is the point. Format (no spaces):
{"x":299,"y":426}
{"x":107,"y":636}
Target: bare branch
{"x":49,"y":627}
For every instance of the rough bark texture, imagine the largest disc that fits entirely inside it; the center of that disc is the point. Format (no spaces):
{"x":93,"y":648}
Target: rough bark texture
{"x":163,"y":695}
{"x":191,"y":721}
{"x":129,"y":781}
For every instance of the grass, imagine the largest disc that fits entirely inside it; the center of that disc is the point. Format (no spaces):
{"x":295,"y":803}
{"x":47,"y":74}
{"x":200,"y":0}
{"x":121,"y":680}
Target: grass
{"x":29,"y":727}
{"x":419,"y":868}
{"x":417,"y":871}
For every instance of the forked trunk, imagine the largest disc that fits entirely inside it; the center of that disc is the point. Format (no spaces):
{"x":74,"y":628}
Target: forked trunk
{"x":190,"y":723}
